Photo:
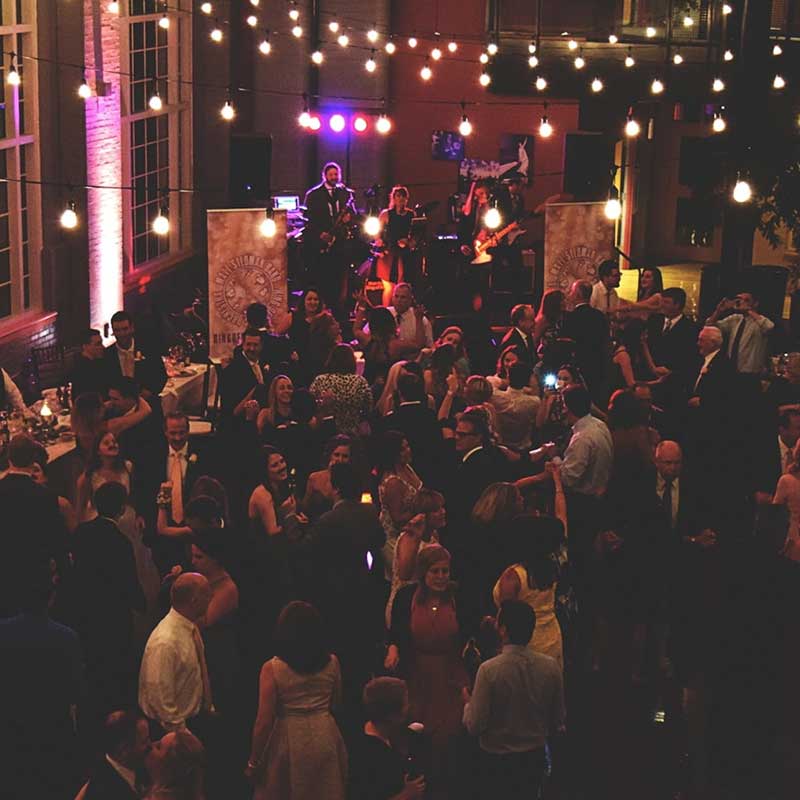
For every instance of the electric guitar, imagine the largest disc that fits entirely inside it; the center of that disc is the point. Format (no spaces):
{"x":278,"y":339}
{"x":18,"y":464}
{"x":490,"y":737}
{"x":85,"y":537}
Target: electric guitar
{"x":481,"y":246}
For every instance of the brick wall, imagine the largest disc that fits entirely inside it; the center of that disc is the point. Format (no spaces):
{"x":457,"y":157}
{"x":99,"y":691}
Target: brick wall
{"x":15,"y":348}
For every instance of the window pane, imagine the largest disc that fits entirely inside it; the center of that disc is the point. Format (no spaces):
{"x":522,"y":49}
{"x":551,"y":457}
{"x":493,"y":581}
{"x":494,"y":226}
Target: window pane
{"x":5,"y":266}
{"x":5,"y":300}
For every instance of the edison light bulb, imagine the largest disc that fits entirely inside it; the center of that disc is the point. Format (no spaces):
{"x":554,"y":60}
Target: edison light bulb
{"x":84,"y":90}
{"x":485,"y":79}
{"x":650,"y":31}
{"x":597,"y":85}
{"x":629,"y":61}
{"x":13,"y":78}
{"x":484,"y":58}
{"x":372,"y":35}
{"x":268,"y":227}
{"x":436,"y":54}
{"x":304,"y":120}
{"x":727,"y":55}
{"x":426,"y":73}
{"x":777,"y":50}
{"x":613,"y":38}
{"x":297,"y":31}
{"x":383,"y":125}
{"x":742,"y":192}
{"x":333,"y":26}
{"x":161,"y":224}
{"x":545,"y":129}
{"x":492,"y":49}
{"x":465,"y":127}
{"x":317,"y":57}
{"x":718,"y":85}
{"x":69,"y":219}
{"x":370,"y":65}
{"x":343,"y":40}
{"x":412,"y":42}
{"x":778,"y":82}
{"x":252,"y":20}
{"x":677,"y":59}
{"x":206,"y":8}
{"x":533,"y":61}
{"x":155,"y":102}
{"x":719,"y":124}
{"x":632,"y":128}
{"x":572,"y":44}
{"x":265,"y":47}
{"x":613,"y":208}
{"x":113,"y":7}
{"x":227,"y":112}
{"x":657,"y":86}
{"x":164,"y":22}
{"x":541,"y":83}
{"x":580,"y":62}
{"x":390,"y":47}
{"x":216,"y":34}
{"x":452,"y":46}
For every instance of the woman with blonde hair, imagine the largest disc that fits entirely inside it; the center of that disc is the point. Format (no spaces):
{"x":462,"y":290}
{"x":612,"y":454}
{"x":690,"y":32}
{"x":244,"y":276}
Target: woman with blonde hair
{"x":278,"y":410}
{"x":387,"y":400}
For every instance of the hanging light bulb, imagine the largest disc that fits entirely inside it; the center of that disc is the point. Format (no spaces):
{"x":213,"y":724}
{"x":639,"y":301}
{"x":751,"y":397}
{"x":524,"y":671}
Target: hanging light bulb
{"x":677,"y":58}
{"x":688,"y":20}
{"x":164,"y":21}
{"x":597,"y":85}
{"x":390,"y":47}
{"x":452,"y":46}
{"x":372,"y":226}
{"x":718,"y":85}
{"x":206,"y":8}
{"x":297,"y":31}
{"x":13,"y":78}
{"x":532,"y":47}
{"x":436,"y":54}
{"x":613,"y":208}
{"x":540,"y":83}
{"x":485,"y":79}
{"x":613,"y":38}
{"x":727,"y":8}
{"x":227,"y":112}
{"x":533,"y":62}
{"x":333,"y":26}
{"x":315,"y":123}
{"x":252,"y":20}
{"x":294,"y":14}
{"x":265,"y":48}
{"x":727,"y":55}
{"x":492,"y":48}
{"x":84,"y":90}
{"x":777,"y":50}
{"x":113,"y":7}
{"x":161,"y":223}
{"x":360,"y":124}
{"x":545,"y":128}
{"x":343,"y":40}
{"x":317,"y":57}
{"x":632,"y":127}
{"x":371,"y":65}
{"x":657,"y":86}
{"x":572,"y":44}
{"x":778,"y":82}
{"x":580,"y":62}
{"x":216,"y":33}
{"x":492,"y":219}
{"x":268,"y":228}
{"x":254,"y":3}
{"x":304,"y":120}
{"x":719,"y":124}
{"x":155,"y":100}
{"x":383,"y":124}
{"x":412,"y":42}
{"x":372,"y":35}
{"x":426,"y":73}
{"x":69,"y":219}
{"x":742,"y":191}
{"x":484,"y":58}
{"x":650,"y":32}
{"x":465,"y":126}
{"x":629,"y":59}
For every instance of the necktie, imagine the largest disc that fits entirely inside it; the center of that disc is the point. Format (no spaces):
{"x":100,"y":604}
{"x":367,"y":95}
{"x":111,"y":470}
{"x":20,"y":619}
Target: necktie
{"x":667,"y":325}
{"x":128,"y":367}
{"x":257,"y":372}
{"x":201,"y":659}
{"x":666,"y":502}
{"x":737,"y":340}
{"x":176,"y":476}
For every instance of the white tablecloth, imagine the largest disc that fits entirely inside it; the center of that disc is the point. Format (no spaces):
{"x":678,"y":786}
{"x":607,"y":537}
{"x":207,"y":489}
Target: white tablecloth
{"x":186,"y":393}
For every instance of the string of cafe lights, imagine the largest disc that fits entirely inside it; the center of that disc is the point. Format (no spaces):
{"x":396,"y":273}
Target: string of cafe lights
{"x":383,"y":125}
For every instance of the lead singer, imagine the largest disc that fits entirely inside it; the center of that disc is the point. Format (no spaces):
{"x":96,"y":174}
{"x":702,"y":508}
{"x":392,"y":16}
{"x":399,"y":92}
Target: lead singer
{"x":330,"y":210}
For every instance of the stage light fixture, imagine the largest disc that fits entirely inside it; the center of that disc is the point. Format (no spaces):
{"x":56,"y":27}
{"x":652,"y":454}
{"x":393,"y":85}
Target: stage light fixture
{"x":359,"y":124}
{"x":337,"y":123}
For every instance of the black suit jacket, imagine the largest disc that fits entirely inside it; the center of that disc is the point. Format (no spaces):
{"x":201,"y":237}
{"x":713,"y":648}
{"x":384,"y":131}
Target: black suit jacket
{"x":89,"y":376}
{"x":237,"y":380}
{"x":321,"y":211}
{"x":717,"y":388}
{"x":677,"y":350}
{"x":484,"y":467}
{"x":419,"y":425}
{"x":32,"y":533}
{"x":149,"y":371}
{"x":526,"y":352}
{"x":107,"y":784}
{"x":588,"y":328}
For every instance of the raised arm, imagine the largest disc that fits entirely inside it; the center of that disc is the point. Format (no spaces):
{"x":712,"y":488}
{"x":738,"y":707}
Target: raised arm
{"x":119,"y":424}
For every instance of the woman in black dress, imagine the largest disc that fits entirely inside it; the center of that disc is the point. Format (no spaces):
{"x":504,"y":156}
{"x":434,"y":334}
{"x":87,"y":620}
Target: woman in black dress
{"x":391,"y":266}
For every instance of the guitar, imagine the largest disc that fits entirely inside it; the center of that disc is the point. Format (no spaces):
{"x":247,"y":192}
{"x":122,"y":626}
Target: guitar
{"x":342,"y":229}
{"x":481,"y":246}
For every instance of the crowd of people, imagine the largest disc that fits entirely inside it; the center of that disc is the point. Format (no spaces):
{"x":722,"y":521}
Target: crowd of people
{"x":377,"y":577}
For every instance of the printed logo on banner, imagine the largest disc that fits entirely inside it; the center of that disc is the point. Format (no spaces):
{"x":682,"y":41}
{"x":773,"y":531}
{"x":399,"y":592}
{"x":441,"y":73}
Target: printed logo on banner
{"x":242,"y":280}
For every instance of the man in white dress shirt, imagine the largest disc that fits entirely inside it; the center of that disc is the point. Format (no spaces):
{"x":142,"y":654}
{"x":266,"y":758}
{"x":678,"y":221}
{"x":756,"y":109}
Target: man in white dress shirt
{"x":173,"y":680}
{"x":746,"y":330}
{"x":604,"y":292}
{"x":404,"y":310}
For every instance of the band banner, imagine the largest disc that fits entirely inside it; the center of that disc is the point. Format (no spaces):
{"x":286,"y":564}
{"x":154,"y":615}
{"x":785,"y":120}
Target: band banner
{"x":578,"y":237}
{"x":244,"y":267}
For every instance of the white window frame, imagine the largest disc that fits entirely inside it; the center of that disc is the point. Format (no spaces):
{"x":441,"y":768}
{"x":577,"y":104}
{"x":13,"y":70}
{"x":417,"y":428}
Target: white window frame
{"x":178,"y":107}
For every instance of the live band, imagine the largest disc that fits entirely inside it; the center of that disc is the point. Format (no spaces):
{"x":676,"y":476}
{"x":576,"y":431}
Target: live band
{"x":339,"y":260}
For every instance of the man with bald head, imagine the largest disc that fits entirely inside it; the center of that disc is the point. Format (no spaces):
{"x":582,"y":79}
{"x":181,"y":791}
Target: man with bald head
{"x":173,"y":679}
{"x":588,"y":328}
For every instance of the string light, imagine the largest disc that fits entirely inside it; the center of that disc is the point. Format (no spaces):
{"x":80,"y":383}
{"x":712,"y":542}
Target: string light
{"x":412,"y":42}
{"x":597,"y":85}
{"x":677,"y":58}
{"x":390,"y":47}
{"x":343,"y":40}
{"x":742,"y":191}
{"x":297,"y":31}
{"x":727,"y":9}
{"x":317,"y":57}
{"x":13,"y":78}
{"x":294,"y":14}
{"x":383,"y":124}
{"x":540,"y":83}
{"x":304,"y":120}
{"x":492,"y":48}
{"x":533,"y":62}
{"x":650,"y":32}
{"x":155,"y":99}
{"x":216,"y":33}
{"x":657,"y":86}
{"x":252,"y":20}
{"x":436,"y":54}
{"x":613,"y":209}
{"x":84,"y":90}
{"x":727,"y":55}
{"x":372,"y":35}
{"x":265,"y":47}
{"x":452,"y":46}
{"x":629,"y":59}
{"x":161,"y":223}
{"x":333,"y":26}
{"x":492,"y":219}
{"x":254,"y":3}
{"x":206,"y":8}
{"x":718,"y":85}
{"x":465,"y":126}
{"x":485,"y":78}
{"x":613,"y":38}
{"x":632,"y":127}
{"x":778,"y":82}
{"x":268,"y":228}
{"x":532,"y":47}
{"x":719,"y":124}
{"x":580,"y":62}
{"x":164,"y":21}
{"x":545,"y":128}
{"x":227,"y":112}
{"x":484,"y":58}
{"x":113,"y":7}
{"x":69,"y":219}
{"x":777,"y":50}
{"x":426,"y":73}
{"x":315,"y":123}
{"x":371,"y":65}
{"x":572,"y":44}
{"x":688,"y":20}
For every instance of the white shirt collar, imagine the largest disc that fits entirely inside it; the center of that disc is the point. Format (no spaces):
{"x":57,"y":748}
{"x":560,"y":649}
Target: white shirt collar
{"x":178,"y":619}
{"x":709,"y":358}
{"x":474,"y":450}
{"x":128,"y":775}
{"x":184,"y":451}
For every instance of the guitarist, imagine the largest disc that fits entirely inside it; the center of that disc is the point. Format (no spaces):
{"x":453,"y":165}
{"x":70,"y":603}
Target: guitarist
{"x":472,"y":228}
{"x":327,"y":204}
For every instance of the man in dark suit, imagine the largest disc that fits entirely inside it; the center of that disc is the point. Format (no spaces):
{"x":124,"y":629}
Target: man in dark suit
{"x":276,"y":350}
{"x":126,"y":736}
{"x":588,"y":328}
{"x":106,"y":592}
{"x":348,"y":590}
{"x":33,"y":531}
{"x":90,"y":373}
{"x":326,"y":204}
{"x":134,"y":359}
{"x":244,"y":382}
{"x":521,"y":333}
{"x":419,"y":425}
